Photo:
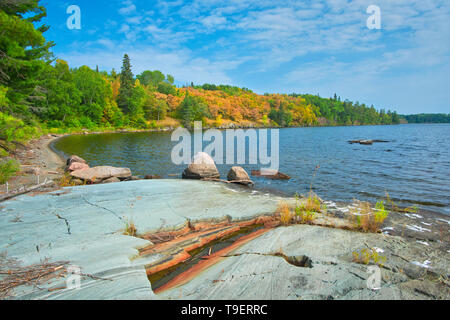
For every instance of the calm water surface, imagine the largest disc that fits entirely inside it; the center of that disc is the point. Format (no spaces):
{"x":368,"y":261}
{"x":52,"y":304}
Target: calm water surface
{"x":414,"y":167}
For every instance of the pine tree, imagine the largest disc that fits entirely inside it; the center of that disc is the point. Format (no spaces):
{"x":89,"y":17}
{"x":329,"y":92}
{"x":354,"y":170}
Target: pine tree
{"x":126,"y":85}
{"x":23,"y":49}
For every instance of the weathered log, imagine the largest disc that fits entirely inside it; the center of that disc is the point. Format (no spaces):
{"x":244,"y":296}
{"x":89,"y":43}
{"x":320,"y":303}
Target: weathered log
{"x":26,"y":190}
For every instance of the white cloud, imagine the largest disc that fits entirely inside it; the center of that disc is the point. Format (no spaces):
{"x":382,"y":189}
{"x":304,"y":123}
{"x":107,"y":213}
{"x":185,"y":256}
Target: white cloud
{"x":308,"y":45}
{"x":182,"y":64}
{"x":128,"y":8}
{"x":213,"y":21}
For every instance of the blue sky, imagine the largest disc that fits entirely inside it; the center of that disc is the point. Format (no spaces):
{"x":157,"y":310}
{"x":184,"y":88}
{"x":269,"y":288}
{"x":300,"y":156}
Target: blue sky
{"x":321,"y":46}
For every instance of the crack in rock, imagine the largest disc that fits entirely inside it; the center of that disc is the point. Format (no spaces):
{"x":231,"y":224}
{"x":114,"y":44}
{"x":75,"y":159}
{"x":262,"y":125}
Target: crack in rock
{"x":109,"y":210}
{"x":66,"y":221}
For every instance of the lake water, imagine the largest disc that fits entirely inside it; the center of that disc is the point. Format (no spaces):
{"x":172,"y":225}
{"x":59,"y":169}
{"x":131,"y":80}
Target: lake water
{"x":413,"y":167}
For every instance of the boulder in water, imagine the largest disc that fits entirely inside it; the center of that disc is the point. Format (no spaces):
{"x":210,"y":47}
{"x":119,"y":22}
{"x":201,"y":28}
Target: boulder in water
{"x":202,"y":167}
{"x":239,"y":175}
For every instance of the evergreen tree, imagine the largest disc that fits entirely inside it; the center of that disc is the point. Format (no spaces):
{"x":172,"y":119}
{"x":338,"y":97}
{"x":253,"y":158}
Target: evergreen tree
{"x":23,"y":51}
{"x":126,"y":86}
{"x":191,"y":109}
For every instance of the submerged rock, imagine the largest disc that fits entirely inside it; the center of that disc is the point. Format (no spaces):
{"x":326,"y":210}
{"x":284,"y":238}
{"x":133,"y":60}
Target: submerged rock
{"x":132,"y":178}
{"x":239,"y":175}
{"x":101,"y":173}
{"x":367,"y":142}
{"x":202,"y":167}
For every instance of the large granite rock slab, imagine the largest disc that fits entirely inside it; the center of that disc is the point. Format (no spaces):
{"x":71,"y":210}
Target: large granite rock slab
{"x":85,"y":225}
{"x":265,"y":269}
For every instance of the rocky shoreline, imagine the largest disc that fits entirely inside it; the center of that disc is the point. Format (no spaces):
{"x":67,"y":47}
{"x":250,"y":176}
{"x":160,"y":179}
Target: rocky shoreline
{"x":167,"y":234}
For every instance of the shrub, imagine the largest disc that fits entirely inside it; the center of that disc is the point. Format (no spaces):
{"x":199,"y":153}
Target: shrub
{"x":394,"y":207}
{"x":365,"y":256}
{"x":15,"y":130}
{"x":306,"y":211}
{"x":130,"y":229}
{"x":8,"y":168}
{"x":368,"y":219}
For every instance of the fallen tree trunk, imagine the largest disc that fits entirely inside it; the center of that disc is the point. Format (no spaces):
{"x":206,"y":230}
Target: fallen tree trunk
{"x":16,"y":193}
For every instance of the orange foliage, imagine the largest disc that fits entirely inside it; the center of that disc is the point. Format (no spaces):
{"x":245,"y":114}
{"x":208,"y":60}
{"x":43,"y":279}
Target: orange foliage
{"x":242,"y":107}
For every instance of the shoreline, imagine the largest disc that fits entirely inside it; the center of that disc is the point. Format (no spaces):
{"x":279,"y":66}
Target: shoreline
{"x":415,"y":261}
{"x":52,"y":161}
{"x":38,"y":162}
{"x":415,"y":244}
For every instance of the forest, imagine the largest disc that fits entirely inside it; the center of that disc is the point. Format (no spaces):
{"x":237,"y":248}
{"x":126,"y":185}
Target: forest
{"x":427,"y":118}
{"x":40,"y":93}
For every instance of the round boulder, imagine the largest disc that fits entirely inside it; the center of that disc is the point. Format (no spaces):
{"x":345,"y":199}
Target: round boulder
{"x":202,"y":167}
{"x":239,"y":175}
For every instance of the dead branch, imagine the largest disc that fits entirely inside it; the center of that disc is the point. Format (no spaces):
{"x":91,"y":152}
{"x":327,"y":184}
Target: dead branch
{"x":34,"y":275}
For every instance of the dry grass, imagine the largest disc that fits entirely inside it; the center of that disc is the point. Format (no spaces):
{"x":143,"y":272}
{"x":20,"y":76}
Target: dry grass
{"x":66,"y":181}
{"x":130,"y":229}
{"x":304,"y":211}
{"x":285,"y":213}
{"x":368,"y":219}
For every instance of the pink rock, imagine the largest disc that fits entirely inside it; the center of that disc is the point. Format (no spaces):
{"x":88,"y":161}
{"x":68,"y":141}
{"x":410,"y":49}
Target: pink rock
{"x":101,"y":173}
{"x":77,"y":166}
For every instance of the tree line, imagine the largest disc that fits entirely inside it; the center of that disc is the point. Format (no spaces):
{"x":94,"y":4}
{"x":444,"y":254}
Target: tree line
{"x":427,"y":118}
{"x":40,"y":93}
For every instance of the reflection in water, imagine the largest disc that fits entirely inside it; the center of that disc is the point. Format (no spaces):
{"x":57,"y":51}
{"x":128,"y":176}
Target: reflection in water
{"x":414,"y":167}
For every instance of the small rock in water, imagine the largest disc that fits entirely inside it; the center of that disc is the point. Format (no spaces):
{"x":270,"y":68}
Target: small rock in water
{"x":152,"y":177}
{"x":366,"y":142}
{"x":132,"y":178}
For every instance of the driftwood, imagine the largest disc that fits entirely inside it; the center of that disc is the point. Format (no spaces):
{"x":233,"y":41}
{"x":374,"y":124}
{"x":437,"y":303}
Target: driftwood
{"x":14,"y":275}
{"x":19,"y":192}
{"x":234,"y":181}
